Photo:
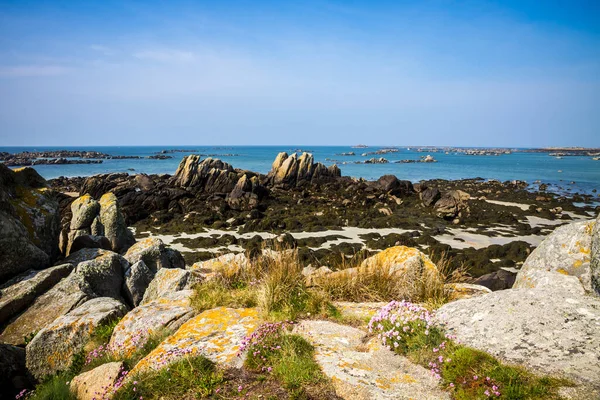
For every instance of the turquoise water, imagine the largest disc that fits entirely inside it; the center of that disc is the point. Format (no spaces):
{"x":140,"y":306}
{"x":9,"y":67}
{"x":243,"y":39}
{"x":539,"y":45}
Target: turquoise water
{"x":529,"y":167}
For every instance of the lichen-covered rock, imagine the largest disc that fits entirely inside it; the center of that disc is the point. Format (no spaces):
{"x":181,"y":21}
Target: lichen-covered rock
{"x":18,"y":293}
{"x":17,"y":252}
{"x":216,"y":334}
{"x":553,"y":329}
{"x":169,"y":280}
{"x":166,"y":313}
{"x":104,"y":274}
{"x":98,"y":277}
{"x":113,"y":223}
{"x":94,"y":224}
{"x":155,"y":255}
{"x":457,"y":291}
{"x":62,"y":298}
{"x":13,"y":373}
{"x":452,"y":204}
{"x":566,"y":250}
{"x":293,"y":170}
{"x":97,"y":383}
{"x":52,"y":348}
{"x":84,"y":210}
{"x":366,"y":371}
{"x":29,"y":222}
{"x":137,"y":278}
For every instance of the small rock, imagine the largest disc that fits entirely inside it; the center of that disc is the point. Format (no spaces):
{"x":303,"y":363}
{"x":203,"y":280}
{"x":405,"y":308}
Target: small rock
{"x":97,"y":383}
{"x":169,"y":280}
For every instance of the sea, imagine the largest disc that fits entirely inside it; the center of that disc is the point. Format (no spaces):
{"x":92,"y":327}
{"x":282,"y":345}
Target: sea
{"x":569,"y":174}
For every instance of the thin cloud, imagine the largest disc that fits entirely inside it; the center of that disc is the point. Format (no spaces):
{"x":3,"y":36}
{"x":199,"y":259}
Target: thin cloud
{"x":32,"y":70}
{"x":165,"y":55}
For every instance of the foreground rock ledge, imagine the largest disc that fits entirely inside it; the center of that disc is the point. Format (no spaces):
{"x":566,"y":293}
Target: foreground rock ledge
{"x":366,"y":371}
{"x":552,"y":329}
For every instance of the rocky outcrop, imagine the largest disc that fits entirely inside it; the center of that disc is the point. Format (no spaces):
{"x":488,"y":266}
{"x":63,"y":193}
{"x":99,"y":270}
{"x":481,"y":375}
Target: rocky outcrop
{"x":293,"y":170}
{"x":169,"y":280}
{"x":452,"y":204}
{"x":216,"y":334}
{"x":52,"y":348}
{"x":101,"y":275}
{"x":111,"y":223}
{"x":97,"y":383}
{"x":208,"y":175}
{"x":13,"y":372}
{"x":246,"y":194}
{"x":394,"y":186}
{"x":552,"y":328}
{"x":363,"y":369}
{"x":29,"y":222}
{"x":137,"y":278}
{"x":98,"y":225}
{"x":18,"y":293}
{"x":155,"y":255}
{"x":566,"y":250}
{"x":167,"y":313}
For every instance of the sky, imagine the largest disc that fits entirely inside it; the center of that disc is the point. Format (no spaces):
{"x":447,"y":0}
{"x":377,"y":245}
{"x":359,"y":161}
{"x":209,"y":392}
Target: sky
{"x":459,"y":73}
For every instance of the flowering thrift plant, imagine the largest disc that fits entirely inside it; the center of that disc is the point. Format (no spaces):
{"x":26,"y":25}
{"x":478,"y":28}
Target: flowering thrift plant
{"x":262,"y":343}
{"x":407,"y":329}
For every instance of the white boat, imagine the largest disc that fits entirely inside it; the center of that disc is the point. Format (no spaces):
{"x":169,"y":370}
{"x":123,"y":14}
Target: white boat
{"x":558,"y":157}
{"x":596,"y":158}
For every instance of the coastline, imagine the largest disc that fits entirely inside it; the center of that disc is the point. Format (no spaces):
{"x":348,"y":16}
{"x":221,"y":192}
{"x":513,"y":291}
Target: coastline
{"x":332,"y":218}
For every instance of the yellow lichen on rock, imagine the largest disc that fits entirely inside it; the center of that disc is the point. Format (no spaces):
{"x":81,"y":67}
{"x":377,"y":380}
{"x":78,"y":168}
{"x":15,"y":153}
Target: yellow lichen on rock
{"x":216,"y":334}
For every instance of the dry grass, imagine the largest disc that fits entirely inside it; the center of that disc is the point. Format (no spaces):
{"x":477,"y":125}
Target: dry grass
{"x":381,"y":283}
{"x":273,"y":281}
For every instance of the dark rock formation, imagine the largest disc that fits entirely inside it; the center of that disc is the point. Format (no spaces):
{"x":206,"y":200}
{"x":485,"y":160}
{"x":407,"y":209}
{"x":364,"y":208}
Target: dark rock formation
{"x":498,"y":280}
{"x":394,"y":186}
{"x":13,"y":373}
{"x":430,"y":196}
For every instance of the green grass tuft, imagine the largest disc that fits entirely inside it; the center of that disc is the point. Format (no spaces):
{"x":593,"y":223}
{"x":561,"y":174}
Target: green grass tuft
{"x":289,"y":358}
{"x":191,"y":377}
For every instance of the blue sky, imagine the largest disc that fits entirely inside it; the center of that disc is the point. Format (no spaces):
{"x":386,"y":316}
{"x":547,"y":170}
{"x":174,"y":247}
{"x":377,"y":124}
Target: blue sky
{"x":470,"y":73}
